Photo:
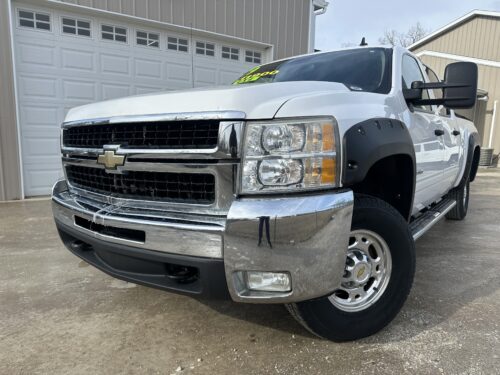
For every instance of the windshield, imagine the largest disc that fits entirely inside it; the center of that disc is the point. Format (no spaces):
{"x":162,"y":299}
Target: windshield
{"x":363,"y":69}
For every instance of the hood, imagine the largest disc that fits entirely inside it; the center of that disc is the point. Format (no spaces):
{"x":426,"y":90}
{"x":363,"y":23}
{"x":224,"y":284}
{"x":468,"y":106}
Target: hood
{"x":258,"y":101}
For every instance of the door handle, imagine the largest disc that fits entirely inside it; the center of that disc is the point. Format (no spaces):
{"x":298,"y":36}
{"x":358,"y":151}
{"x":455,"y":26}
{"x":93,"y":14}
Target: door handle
{"x":439,"y":132}
{"x":455,"y":132}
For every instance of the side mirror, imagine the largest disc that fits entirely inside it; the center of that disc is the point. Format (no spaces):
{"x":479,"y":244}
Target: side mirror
{"x":459,"y":88}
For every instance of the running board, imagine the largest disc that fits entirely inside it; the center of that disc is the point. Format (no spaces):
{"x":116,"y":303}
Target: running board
{"x":426,"y":221}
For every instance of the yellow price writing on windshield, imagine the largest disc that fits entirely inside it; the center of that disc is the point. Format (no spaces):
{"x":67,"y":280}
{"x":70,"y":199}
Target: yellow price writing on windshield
{"x":252,"y":77}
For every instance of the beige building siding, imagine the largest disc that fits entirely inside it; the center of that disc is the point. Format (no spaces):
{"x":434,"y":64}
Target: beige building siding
{"x":10,"y":178}
{"x":283,"y":23}
{"x":476,"y":38}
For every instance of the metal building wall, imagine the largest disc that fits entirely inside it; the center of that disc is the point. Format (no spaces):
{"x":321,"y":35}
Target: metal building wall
{"x":283,"y":23}
{"x":477,"y":38}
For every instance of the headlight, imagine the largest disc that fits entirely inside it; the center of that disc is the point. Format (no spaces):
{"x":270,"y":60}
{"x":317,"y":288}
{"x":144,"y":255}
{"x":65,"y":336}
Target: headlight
{"x":289,"y":155}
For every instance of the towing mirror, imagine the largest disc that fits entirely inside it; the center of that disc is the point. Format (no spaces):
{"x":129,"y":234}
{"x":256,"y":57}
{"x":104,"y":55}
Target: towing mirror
{"x":459,"y":88}
{"x":462,"y":79}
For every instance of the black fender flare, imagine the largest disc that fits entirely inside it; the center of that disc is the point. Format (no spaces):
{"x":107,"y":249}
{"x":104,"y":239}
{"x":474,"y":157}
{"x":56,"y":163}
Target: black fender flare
{"x":370,"y":141}
{"x":471,"y":165}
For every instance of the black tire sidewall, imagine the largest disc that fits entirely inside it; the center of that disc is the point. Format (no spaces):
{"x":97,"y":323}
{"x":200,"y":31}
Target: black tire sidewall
{"x":332,"y":323}
{"x":464,"y":207}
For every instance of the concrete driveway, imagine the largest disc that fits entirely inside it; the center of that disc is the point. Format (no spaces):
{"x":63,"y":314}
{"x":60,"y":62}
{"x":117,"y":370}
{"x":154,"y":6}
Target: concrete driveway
{"x":58,"y":315}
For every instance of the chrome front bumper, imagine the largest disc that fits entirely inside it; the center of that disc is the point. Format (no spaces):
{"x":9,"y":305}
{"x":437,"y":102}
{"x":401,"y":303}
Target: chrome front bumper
{"x":305,"y":236}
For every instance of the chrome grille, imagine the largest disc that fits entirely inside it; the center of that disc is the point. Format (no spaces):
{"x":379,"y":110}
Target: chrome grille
{"x":198,"y":188}
{"x":202,"y":134}
{"x":183,"y":163}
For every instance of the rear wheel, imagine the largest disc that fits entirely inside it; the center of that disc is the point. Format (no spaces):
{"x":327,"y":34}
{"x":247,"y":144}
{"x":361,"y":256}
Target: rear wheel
{"x":461,"y":195}
{"x":377,"y":278}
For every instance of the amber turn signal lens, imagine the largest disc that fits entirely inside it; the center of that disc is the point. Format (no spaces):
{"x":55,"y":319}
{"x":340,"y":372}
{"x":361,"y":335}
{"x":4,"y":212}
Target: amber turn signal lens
{"x":328,"y":137}
{"x":328,"y":167}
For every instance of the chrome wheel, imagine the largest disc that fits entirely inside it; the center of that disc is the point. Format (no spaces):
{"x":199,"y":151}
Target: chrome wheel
{"x":367,"y":272}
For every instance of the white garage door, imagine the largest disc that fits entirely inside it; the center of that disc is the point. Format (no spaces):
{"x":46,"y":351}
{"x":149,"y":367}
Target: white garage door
{"x":65,"y":60}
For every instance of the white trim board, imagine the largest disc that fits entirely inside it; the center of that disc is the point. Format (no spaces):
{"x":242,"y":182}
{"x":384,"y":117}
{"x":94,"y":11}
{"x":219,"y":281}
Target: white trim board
{"x":495,"y":64}
{"x":451,"y":25}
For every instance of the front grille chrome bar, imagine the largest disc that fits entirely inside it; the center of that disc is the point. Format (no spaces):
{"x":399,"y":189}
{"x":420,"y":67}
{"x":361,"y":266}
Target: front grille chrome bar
{"x":191,"y":116}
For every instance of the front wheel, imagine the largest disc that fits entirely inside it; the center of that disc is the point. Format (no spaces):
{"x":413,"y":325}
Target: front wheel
{"x":377,"y":278}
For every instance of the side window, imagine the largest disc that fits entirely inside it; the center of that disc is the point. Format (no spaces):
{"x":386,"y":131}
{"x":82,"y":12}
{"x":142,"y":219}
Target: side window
{"x":145,"y":38}
{"x":438,"y":94}
{"x":412,"y":73}
{"x":230,"y":53}
{"x":34,"y":20}
{"x":203,"y":48}
{"x":118,"y":34}
{"x":253,"y":57}
{"x":75,"y":27}
{"x":177,"y":44}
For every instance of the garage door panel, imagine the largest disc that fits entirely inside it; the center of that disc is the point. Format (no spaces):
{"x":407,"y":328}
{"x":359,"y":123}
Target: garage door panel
{"x":72,"y":59}
{"x":41,"y":146}
{"x":38,"y":180}
{"x":37,"y":87}
{"x":178,"y":72}
{"x":141,"y":90}
{"x":113,"y":91}
{"x":149,"y":69}
{"x":36,"y":54}
{"x":228,"y":76}
{"x":35,"y":116}
{"x":205,"y":76}
{"x":79,"y":90}
{"x":115,"y":64}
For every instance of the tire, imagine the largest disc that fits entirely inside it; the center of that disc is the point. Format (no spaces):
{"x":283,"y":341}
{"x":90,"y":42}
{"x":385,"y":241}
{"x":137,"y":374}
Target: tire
{"x":461,"y":195}
{"x":334,"y":317}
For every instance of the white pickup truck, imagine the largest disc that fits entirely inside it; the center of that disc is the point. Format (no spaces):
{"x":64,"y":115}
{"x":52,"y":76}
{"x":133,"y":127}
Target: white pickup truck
{"x":305,"y":183}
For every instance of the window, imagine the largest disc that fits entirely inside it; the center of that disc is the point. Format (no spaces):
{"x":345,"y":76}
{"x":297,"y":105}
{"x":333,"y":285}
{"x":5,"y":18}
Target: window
{"x":203,"y":48}
{"x":116,"y":33}
{"x":177,"y":44}
{"x":148,"y":39}
{"x":438,"y":93}
{"x":34,"y":20}
{"x":230,"y":53}
{"x":412,"y":73}
{"x":253,"y":57}
{"x":75,"y":27}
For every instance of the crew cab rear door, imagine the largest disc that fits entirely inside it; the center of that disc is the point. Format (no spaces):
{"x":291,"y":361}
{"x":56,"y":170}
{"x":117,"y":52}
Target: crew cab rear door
{"x":426,"y":130}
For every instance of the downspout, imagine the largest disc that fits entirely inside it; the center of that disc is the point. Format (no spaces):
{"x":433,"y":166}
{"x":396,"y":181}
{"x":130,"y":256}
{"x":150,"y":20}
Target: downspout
{"x":316,"y":8}
{"x":493,"y":120}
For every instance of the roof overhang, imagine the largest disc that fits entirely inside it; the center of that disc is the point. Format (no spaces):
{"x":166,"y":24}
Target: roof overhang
{"x":456,"y":23}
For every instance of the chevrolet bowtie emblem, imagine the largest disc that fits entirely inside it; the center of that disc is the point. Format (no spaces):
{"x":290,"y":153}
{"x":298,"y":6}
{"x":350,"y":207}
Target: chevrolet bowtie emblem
{"x":110,"y":160}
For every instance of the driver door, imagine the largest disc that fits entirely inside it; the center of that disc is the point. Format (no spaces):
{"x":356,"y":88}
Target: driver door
{"x":426,"y":131}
